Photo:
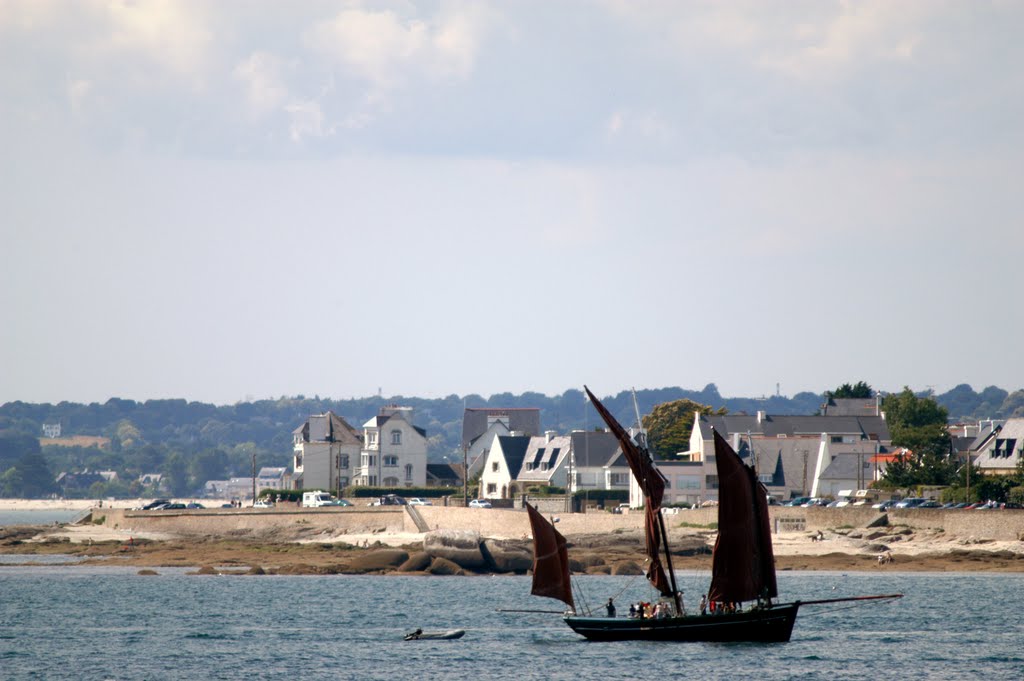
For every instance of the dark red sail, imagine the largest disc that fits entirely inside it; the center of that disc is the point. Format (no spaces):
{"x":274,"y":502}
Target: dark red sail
{"x":650,"y":479}
{"x":652,"y":485}
{"x":743,"y":564}
{"x":550,"y":560}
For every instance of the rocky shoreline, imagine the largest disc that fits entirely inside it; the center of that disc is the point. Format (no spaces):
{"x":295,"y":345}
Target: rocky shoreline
{"x":452,"y":552}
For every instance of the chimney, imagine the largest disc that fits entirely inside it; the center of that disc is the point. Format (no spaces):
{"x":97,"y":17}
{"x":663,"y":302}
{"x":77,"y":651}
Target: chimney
{"x":550,"y":435}
{"x":761,"y":416}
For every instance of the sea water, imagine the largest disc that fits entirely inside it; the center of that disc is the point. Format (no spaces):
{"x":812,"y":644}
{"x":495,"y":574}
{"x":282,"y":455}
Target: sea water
{"x":78,"y":622}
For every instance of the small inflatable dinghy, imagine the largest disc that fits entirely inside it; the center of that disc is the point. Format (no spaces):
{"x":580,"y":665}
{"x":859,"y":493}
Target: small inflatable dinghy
{"x":420,"y":635}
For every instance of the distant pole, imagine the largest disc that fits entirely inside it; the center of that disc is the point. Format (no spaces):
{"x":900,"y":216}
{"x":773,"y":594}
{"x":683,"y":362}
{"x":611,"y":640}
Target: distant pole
{"x":254,"y":476}
{"x":968,"y":499}
{"x":465,"y":475}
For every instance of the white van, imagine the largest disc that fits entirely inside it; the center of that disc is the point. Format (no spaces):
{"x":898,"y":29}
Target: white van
{"x":316,"y":499}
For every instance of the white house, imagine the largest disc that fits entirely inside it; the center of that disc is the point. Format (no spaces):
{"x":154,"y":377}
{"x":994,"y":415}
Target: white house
{"x":597,"y":462}
{"x":545,"y":462}
{"x":480,"y":425}
{"x":582,"y":460}
{"x":326,"y":450}
{"x":502,"y":464}
{"x":394,"y":452}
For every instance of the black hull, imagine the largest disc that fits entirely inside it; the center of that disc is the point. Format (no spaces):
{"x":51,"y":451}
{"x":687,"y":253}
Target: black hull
{"x":768,"y":625}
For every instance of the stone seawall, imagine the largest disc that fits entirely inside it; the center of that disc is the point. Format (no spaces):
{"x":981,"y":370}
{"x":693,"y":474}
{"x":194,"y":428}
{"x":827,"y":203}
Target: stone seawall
{"x":228,"y":522}
{"x":1007,"y":525}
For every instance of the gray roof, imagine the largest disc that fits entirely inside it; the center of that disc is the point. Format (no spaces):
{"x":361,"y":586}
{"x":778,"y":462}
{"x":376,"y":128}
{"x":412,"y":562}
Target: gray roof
{"x":850,"y":406}
{"x":867,"y":427}
{"x":541,"y":450}
{"x":520,"y":419}
{"x":593,"y":448}
{"x":844,"y":467}
{"x":444,"y":472}
{"x":790,"y":462}
{"x":1004,"y":448}
{"x":513,"y":447}
{"x":328,"y":427}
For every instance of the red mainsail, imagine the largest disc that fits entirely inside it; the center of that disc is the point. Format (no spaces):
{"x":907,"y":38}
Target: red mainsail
{"x":743,"y":563}
{"x":652,"y":485}
{"x":550,"y":560}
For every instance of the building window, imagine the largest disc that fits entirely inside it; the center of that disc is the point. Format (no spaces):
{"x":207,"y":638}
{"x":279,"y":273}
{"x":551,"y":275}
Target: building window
{"x":494,"y":466}
{"x":408,"y":472}
{"x":371,"y":438}
{"x":391,"y":482}
{"x":396,"y":437}
{"x":368,"y":460}
{"x":492,"y":488}
{"x":343,"y":461}
{"x":298,"y":460}
{"x":766,"y":479}
{"x":711,"y":481}
{"x":390,"y":461}
{"x":343,"y":481}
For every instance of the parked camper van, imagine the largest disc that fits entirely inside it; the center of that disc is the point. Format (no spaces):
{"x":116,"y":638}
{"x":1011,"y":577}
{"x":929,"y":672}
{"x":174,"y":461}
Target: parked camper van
{"x":316,"y":499}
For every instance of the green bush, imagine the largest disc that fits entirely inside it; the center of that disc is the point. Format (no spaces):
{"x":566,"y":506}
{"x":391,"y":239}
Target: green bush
{"x":603,"y":495}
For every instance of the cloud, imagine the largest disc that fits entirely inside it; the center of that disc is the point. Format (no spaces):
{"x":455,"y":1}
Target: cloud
{"x":174,"y":35}
{"x":262,"y":74}
{"x":387,"y":49}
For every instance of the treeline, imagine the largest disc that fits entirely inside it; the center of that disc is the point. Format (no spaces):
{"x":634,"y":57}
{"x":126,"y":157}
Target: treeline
{"x":191,"y":442}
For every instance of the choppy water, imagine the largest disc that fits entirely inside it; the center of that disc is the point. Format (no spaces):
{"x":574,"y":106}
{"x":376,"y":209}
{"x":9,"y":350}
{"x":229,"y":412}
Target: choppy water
{"x":73,"y":622}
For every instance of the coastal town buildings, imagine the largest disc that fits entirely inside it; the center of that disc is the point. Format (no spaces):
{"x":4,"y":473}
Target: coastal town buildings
{"x":481,"y":425}
{"x":580,"y":461}
{"x":1000,"y":450}
{"x":793,"y":455}
{"x":394,"y":452}
{"x":326,"y":451}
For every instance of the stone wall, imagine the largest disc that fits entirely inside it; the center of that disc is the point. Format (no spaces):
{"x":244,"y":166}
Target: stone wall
{"x":514,"y":523}
{"x":225,"y":522}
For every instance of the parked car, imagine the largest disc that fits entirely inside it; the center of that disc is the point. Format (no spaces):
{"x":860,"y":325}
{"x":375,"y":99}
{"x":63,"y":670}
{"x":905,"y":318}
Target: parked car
{"x":799,"y":501}
{"x":418,"y":501}
{"x":263,"y":503}
{"x":170,"y":507}
{"x":194,"y":504}
{"x":910,"y":502}
{"x":152,"y":505}
{"x":884,"y":505}
{"x":931,"y":503}
{"x":391,"y":500}
{"x":479,"y":503}
{"x":337,"y":502}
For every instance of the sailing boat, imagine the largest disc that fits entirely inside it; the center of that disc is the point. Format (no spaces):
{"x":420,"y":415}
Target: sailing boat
{"x":743,"y":563}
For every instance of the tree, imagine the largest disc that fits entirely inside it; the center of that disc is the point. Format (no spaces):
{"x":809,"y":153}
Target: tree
{"x":846,"y":391}
{"x":669,"y":426}
{"x":918,"y":424}
{"x":209,"y":464}
{"x":31,"y":477}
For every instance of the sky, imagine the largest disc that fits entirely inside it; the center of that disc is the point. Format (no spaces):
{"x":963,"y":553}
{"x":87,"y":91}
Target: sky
{"x":234,"y":200}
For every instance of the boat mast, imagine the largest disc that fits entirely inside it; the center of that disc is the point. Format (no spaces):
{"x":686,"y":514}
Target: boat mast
{"x":642,"y":438}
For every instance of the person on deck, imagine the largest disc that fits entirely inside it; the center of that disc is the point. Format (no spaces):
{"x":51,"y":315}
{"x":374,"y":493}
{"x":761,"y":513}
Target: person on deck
{"x":704,"y":604}
{"x":610,"y":607}
{"x":632,"y":611}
